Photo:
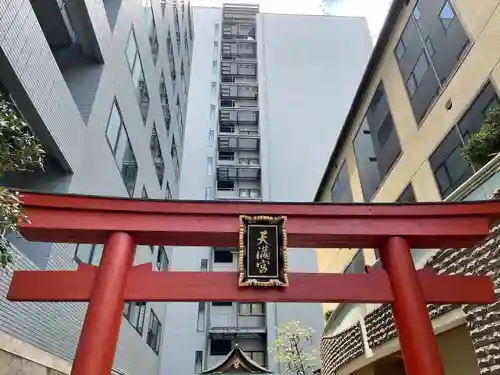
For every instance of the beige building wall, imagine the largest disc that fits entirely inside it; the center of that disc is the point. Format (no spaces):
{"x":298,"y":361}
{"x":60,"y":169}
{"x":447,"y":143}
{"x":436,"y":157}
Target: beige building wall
{"x":480,"y":63}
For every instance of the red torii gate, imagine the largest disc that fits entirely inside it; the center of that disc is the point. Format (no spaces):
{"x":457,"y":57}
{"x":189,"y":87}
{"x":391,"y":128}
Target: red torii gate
{"x":121,"y":224}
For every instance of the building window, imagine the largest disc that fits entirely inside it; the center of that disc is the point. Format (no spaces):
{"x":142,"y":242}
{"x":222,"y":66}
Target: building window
{"x":211,"y":137}
{"x":163,"y":4}
{"x":156,"y":154}
{"x":407,"y":196}
{"x":223,"y":256}
{"x":198,"y":362}
{"x":204,"y":265}
{"x":376,"y":145}
{"x":164,"y":103}
{"x":209,"y":193}
{"x":446,"y":15}
{"x":213,"y":89}
{"x":216,"y":47}
{"x":429,"y":46}
{"x":220,"y":347}
{"x":417,"y":74}
{"x":175,"y":158}
{"x":212,"y":112}
{"x":449,"y":166}
{"x":214,"y":66}
{"x":162,"y":262}
{"x":144,"y":193}
{"x":137,"y":72}
{"x":341,"y":190}
{"x":183,"y":81}
{"x":247,"y":309}
{"x":119,"y":142}
{"x":154,"y":333}
{"x":168,"y":192}
{"x":180,"y":121}
{"x":210,"y":166}
{"x":134,"y":312}
{"x":400,"y":49}
{"x":171,"y":57}
{"x":427,"y":30}
{"x":357,"y":264}
{"x":216,"y":29}
{"x":200,"y":326}
{"x":416,"y":12}
{"x":88,"y":253}
{"x":224,"y":303}
{"x":151,"y":26}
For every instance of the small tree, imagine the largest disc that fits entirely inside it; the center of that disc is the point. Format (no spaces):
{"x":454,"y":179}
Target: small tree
{"x":19,"y":151}
{"x":484,"y":144}
{"x":289,"y":348}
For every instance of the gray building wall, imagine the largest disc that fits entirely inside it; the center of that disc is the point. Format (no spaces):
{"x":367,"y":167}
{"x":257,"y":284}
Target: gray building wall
{"x":52,"y":103}
{"x":309,"y":70}
{"x":308,"y":73}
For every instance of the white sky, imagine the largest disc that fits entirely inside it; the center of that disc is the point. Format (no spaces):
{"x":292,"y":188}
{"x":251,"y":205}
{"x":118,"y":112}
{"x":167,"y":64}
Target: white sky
{"x":374,"y":10}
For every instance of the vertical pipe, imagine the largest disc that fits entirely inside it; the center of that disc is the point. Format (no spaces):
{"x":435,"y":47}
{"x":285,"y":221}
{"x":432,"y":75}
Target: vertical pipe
{"x":97,"y":345}
{"x":416,"y":335}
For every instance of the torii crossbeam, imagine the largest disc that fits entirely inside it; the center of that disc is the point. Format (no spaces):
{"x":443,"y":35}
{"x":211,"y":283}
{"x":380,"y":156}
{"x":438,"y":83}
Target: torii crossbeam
{"x":121,"y":224}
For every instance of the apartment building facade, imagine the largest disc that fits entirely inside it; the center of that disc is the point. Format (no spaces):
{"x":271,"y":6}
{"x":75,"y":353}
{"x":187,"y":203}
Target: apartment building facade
{"x":254,"y":90}
{"x":430,"y":83}
{"x":104,"y":86}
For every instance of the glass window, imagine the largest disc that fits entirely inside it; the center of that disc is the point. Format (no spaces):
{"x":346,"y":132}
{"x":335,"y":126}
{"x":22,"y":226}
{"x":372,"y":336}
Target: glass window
{"x":214,"y":66}
{"x":416,"y":12}
{"x":131,"y":51}
{"x":134,"y":312}
{"x":164,"y":103}
{"x":198,"y":361}
{"x":212,"y":112}
{"x":151,"y":25}
{"x":200,"y":326}
{"x":223,"y":256}
{"x":341,"y":190}
{"x":213,"y":88}
{"x":220,"y":347}
{"x":204,"y":265}
{"x":122,"y":149}
{"x":138,"y":78}
{"x":400,"y":50}
{"x":210,"y":166}
{"x":447,"y":15}
{"x":251,"y":308}
{"x":208,"y":193}
{"x":211,"y":137}
{"x":162,"y":262}
{"x":154,"y":332}
{"x":168,"y":192}
{"x":411,"y":85}
{"x":144,"y":193}
{"x":420,"y":68}
{"x":407,"y":196}
{"x":156,"y":154}
{"x":430,"y":47}
{"x":216,"y":29}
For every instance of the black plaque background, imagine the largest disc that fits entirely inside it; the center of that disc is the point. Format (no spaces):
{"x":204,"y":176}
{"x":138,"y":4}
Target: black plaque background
{"x":253,"y":234}
{"x":249,"y":235}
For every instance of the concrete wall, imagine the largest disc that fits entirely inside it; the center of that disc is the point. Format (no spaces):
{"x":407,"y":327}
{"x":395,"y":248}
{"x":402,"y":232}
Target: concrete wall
{"x":183,"y":337}
{"x":30,"y":73}
{"x":308,"y":74}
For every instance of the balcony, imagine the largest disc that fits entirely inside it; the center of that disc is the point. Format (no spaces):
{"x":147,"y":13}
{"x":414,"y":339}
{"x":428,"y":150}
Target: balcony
{"x":240,"y":104}
{"x":238,"y":173}
{"x":241,"y":48}
{"x":233,"y":68}
{"x":239,"y":91}
{"x":239,"y":31}
{"x":237,"y":143}
{"x":235,"y":129}
{"x":239,"y":116}
{"x":238,"y":194}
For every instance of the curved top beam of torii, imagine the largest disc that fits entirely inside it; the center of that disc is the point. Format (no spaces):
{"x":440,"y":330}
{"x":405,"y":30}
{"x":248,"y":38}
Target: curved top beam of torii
{"x":89,"y":219}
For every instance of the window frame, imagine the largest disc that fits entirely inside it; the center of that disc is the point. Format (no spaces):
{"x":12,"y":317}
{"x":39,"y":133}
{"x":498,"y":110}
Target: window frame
{"x":139,"y":324}
{"x":154,"y":321}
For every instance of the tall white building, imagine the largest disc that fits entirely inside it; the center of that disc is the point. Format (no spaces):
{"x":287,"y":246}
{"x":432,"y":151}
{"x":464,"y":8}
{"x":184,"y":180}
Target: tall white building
{"x":268,"y":96}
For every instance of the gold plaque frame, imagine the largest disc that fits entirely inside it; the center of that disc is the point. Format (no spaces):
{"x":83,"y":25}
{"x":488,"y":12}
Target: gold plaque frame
{"x":283,"y":280}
